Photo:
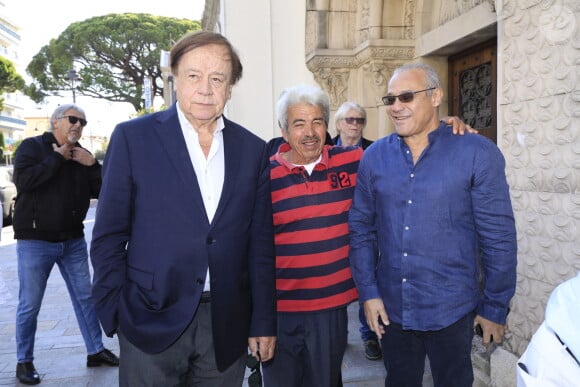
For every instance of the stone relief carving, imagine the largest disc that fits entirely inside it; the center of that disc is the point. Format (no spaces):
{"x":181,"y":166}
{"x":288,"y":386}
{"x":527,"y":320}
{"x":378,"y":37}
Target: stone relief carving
{"x":409,"y":31}
{"x":325,"y":58}
{"x":452,"y":8}
{"x":540,"y":140}
{"x":211,"y":11}
{"x":335,"y":83}
{"x":379,"y":74}
{"x":364,"y":20}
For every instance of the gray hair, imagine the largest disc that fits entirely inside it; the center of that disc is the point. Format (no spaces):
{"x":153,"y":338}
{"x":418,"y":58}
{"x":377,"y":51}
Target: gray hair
{"x":431,"y":77}
{"x":62,"y":109}
{"x":345,"y":107}
{"x":309,"y":94}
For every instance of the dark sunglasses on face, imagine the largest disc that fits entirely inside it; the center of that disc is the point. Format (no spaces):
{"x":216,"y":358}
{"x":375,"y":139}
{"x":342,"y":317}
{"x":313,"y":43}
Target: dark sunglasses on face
{"x":405,"y":97}
{"x":255,"y":378}
{"x":73,"y":120}
{"x":352,"y":120}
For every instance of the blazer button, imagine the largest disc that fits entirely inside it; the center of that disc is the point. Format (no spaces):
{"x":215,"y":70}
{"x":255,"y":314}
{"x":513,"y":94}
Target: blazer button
{"x":200,"y":281}
{"x":210,"y":241}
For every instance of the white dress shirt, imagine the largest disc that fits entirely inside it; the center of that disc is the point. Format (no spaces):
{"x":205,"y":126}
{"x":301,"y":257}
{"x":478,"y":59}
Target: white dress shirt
{"x":209,"y":171}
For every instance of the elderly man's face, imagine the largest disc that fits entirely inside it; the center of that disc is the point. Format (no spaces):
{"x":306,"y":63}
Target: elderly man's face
{"x":306,"y":133}
{"x":351,"y":125}
{"x":202,"y":84}
{"x":66,"y":132}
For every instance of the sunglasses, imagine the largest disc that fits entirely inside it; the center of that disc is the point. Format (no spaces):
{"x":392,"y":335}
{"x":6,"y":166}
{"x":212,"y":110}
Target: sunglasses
{"x":255,"y":378}
{"x":352,"y":120}
{"x":73,"y":120}
{"x":405,"y":97}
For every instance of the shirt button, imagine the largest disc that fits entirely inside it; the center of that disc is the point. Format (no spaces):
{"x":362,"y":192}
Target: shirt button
{"x":412,"y":175}
{"x":404,"y":280}
{"x":404,"y":254}
{"x":410,"y":201}
{"x":406,"y":228}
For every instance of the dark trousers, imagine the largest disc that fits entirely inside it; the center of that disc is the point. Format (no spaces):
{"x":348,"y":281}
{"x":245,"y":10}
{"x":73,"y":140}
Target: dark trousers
{"x":190,"y":361}
{"x":309,"y":350}
{"x":448,"y":349}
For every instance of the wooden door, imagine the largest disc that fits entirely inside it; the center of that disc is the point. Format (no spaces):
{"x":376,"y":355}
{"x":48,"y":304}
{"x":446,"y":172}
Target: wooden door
{"x":473,"y":88}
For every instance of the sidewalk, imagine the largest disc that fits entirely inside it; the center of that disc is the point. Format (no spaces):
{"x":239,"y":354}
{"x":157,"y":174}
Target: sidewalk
{"x":60,"y":356}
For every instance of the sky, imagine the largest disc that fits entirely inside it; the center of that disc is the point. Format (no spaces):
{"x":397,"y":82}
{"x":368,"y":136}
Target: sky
{"x":40,"y":22}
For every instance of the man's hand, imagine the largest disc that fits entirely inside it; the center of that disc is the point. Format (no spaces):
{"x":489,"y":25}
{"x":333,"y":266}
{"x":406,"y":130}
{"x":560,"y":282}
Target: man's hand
{"x":376,"y":315}
{"x":64,"y":150}
{"x":265,"y":345}
{"x":491,"y":330}
{"x":459,"y":127}
{"x":82,"y":156}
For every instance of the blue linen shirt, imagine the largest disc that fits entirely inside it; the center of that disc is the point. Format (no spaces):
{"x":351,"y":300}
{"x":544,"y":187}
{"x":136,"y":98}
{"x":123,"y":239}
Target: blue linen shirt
{"x":432,"y":221}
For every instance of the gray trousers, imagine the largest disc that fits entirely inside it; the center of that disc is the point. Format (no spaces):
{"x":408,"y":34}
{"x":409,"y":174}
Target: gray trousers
{"x":190,"y":361}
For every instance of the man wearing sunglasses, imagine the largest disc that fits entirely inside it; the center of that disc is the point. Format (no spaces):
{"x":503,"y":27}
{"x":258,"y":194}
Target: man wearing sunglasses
{"x":55,"y":178}
{"x":434,"y":205}
{"x":350,"y":120}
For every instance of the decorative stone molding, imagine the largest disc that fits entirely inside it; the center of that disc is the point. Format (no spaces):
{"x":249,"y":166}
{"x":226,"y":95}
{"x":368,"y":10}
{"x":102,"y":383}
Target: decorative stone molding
{"x":334,"y":82}
{"x":379,"y":73}
{"x":377,"y":62}
{"x":365,"y":11}
{"x":211,"y":11}
{"x":451,"y":9}
{"x":353,"y":59}
{"x":409,"y":20}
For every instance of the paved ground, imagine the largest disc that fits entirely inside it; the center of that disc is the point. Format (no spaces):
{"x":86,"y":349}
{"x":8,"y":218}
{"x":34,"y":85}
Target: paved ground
{"x":60,"y":355}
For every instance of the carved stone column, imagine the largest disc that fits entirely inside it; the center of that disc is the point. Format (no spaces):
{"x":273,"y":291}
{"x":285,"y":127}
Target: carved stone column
{"x":211,"y":12}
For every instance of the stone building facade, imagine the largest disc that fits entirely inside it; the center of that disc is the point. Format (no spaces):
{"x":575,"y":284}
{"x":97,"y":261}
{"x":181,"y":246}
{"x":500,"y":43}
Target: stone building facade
{"x":512,"y":66}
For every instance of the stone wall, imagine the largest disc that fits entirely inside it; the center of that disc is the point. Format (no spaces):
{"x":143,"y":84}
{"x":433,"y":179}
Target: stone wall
{"x":539,"y":134}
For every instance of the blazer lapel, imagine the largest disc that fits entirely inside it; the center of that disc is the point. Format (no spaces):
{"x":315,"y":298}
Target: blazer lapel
{"x":172,"y":140}
{"x":233,"y":160}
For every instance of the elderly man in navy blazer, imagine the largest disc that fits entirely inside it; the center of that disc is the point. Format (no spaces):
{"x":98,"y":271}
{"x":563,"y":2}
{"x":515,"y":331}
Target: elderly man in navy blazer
{"x":182,"y":245}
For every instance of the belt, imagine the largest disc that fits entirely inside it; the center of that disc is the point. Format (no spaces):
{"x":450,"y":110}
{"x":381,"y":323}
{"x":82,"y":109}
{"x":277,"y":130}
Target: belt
{"x":205,"y":297}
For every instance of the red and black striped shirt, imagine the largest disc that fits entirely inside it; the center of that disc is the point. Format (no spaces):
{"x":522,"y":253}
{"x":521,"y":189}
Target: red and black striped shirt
{"x":311,"y":230}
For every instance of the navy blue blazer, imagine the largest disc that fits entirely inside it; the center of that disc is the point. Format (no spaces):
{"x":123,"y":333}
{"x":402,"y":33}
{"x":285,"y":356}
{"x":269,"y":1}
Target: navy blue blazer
{"x":152,"y":241}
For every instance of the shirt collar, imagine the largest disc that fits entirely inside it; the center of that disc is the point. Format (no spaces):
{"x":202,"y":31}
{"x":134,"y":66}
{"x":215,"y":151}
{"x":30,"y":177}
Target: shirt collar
{"x":339,"y":142}
{"x":322,"y":164}
{"x":187,"y":125}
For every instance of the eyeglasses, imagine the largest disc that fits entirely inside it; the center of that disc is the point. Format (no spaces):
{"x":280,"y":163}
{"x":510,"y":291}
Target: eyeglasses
{"x":352,"y":120}
{"x":405,"y":97}
{"x":73,"y":120}
{"x":255,"y":378}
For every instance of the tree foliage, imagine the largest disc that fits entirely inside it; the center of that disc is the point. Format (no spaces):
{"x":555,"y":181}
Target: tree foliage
{"x":10,"y":80}
{"x":112,"y":54}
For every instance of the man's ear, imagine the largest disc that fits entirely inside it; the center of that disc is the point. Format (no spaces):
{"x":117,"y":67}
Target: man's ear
{"x":437,"y":97}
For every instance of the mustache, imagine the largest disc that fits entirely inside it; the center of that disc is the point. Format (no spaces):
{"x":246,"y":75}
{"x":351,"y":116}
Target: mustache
{"x":310,"y":138}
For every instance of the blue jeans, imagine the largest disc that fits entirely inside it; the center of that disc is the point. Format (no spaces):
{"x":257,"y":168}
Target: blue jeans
{"x":35,"y":261}
{"x":448,"y":349}
{"x":365,"y":330}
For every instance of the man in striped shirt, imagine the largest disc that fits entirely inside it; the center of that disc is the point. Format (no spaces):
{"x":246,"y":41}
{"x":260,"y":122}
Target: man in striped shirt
{"x":312,"y":186}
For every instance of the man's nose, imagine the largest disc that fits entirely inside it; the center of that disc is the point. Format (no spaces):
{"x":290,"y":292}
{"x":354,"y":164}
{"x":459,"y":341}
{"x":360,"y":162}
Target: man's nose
{"x":204,"y":87}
